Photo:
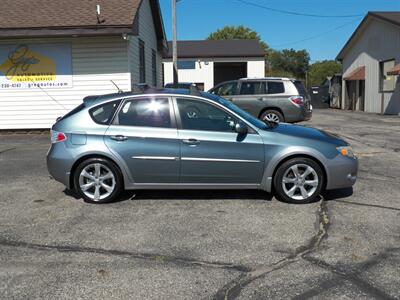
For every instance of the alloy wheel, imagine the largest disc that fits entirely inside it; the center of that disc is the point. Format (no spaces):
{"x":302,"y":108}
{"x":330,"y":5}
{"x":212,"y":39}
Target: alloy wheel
{"x":300,"y":181}
{"x":271,"y":117}
{"x":97,"y":181}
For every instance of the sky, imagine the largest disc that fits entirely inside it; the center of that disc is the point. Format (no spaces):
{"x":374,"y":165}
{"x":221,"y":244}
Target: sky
{"x":323,"y":34}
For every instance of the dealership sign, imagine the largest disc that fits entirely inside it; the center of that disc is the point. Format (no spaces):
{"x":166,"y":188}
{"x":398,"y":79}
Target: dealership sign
{"x":32,"y":66}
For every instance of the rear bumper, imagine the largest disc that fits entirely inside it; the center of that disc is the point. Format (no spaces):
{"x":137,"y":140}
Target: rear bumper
{"x":342,"y":172}
{"x":59,"y":163}
{"x":298,"y":115}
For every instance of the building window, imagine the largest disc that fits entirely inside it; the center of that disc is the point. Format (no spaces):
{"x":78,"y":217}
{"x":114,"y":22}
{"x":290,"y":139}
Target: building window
{"x":186,"y":65}
{"x":154,"y":66}
{"x":387,"y":82}
{"x":142,"y":65}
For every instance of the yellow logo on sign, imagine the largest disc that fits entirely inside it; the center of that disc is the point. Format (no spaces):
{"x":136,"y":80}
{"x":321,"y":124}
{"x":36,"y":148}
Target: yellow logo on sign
{"x":24,"y":65}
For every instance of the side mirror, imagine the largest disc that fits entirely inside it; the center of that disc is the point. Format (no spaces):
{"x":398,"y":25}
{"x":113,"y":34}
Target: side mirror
{"x":241,"y":128}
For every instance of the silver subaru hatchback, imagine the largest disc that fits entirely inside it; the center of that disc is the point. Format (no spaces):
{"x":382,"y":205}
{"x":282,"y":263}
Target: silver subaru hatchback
{"x":180,"y":139}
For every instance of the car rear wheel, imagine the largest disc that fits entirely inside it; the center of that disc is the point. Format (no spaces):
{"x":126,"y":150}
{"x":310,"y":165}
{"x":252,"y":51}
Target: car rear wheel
{"x":272,"y":116}
{"x":298,"y":180}
{"x":98,"y":180}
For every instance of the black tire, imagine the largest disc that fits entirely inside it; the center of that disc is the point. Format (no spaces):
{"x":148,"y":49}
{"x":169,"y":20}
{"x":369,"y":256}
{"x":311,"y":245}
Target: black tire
{"x":272,"y":112}
{"x":285,"y":169}
{"x":116,"y":181}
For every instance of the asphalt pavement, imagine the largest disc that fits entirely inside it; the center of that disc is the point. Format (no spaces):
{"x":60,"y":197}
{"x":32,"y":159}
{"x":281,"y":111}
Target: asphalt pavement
{"x":204,"y":244}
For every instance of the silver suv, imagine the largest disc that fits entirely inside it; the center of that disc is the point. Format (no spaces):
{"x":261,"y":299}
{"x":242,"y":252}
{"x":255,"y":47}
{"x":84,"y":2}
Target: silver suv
{"x":269,"y":99}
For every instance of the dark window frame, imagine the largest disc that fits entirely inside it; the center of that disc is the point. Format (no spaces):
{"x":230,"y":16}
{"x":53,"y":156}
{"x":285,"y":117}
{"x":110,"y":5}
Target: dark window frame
{"x":142,"y":62}
{"x":381,"y":75}
{"x":154,"y":66}
{"x":172,"y":116}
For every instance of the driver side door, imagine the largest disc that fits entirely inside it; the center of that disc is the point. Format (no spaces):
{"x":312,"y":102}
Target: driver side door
{"x":212,"y":152}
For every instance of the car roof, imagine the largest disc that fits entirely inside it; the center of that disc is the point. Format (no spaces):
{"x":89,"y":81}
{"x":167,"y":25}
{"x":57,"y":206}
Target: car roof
{"x":267,"y":78}
{"x":97,"y":99}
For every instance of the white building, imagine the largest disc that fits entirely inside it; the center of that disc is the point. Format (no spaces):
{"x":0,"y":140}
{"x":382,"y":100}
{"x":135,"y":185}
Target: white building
{"x":50,"y":61}
{"x":371,"y":65}
{"x":210,"y":62}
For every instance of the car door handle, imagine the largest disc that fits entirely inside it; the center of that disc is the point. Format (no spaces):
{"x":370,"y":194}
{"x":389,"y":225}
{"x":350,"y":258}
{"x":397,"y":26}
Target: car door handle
{"x":191,"y":142}
{"x":119,"y":138}
{"x":261,"y":98}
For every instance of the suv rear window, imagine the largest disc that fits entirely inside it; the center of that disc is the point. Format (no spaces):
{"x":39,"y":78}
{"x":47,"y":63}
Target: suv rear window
{"x":103,"y":114}
{"x":300,"y":88}
{"x":275,"y":87}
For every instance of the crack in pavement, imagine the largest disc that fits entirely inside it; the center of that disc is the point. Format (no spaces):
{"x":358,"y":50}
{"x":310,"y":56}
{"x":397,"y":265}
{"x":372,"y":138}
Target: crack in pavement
{"x":352,"y":276}
{"x":6,"y":150}
{"x":233,"y":289}
{"x":368,"y":205}
{"x":122,"y":253}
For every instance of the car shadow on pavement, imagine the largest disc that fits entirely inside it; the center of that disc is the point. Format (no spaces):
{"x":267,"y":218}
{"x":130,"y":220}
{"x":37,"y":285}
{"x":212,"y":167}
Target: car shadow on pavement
{"x":337,"y":194}
{"x":187,"y":195}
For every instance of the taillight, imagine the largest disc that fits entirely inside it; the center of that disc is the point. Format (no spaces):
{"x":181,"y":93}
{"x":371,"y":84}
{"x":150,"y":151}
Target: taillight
{"x":57,"y":136}
{"x":297,"y":100}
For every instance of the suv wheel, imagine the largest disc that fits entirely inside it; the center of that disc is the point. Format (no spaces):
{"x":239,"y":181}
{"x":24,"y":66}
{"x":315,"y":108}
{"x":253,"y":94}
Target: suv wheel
{"x":272,"y":116}
{"x":298,"y":180}
{"x":98,"y":180}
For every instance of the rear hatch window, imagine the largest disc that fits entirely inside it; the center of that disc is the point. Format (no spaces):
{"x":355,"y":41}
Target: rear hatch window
{"x":302,"y":92}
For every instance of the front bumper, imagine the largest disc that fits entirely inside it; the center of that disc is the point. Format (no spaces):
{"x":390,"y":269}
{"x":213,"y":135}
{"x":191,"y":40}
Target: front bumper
{"x":342,"y":172}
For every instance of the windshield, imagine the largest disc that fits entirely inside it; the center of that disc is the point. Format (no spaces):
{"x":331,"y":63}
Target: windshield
{"x":249,"y":118}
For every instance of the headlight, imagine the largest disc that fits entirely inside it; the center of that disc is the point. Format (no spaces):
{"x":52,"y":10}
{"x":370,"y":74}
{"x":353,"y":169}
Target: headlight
{"x":346,"y":151}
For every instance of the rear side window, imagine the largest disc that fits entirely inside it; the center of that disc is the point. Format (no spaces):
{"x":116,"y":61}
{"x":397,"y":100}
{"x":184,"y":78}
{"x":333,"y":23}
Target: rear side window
{"x":252,"y":88}
{"x":103,"y":114}
{"x":146,"y":112}
{"x":275,"y":87}
{"x":300,"y":88}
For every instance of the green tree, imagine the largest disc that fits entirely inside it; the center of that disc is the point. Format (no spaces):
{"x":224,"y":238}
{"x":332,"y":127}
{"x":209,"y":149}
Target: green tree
{"x":289,"y":62}
{"x":322,"y":69}
{"x":239,"y":33}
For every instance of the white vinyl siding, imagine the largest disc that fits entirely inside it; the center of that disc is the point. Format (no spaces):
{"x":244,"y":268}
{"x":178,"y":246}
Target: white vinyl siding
{"x":148,"y":35}
{"x":95,"y":62}
{"x":379,"y":41}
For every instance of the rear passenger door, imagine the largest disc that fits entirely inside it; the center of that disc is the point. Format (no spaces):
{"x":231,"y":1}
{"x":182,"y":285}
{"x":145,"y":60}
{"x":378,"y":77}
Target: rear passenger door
{"x":144,"y":136}
{"x":251,"y":96}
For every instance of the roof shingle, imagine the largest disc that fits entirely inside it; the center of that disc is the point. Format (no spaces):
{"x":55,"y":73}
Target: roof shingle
{"x":65,"y":13}
{"x":217,"y":48}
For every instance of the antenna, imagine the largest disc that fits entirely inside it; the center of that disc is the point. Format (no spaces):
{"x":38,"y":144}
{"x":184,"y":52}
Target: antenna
{"x":98,"y":12}
{"x":119,"y":90}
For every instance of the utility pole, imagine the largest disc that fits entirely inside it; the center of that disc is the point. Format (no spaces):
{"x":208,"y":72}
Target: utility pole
{"x":174,"y":44}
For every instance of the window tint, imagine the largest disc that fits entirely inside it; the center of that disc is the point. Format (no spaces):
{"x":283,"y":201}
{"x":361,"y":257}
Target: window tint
{"x":275,"y":87}
{"x":186,"y":64}
{"x":226,"y":89}
{"x":197,"y":115}
{"x":154,"y":66}
{"x":145,"y":112}
{"x":142,"y":60}
{"x":252,"y":88}
{"x":103,"y":114}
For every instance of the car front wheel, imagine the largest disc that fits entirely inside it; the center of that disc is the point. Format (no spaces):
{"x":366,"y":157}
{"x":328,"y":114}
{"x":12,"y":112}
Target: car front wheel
{"x":299,"y":180}
{"x":98,"y":180}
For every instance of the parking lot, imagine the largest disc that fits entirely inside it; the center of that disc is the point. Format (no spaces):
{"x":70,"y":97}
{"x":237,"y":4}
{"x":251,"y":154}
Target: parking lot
{"x":204,"y":244}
